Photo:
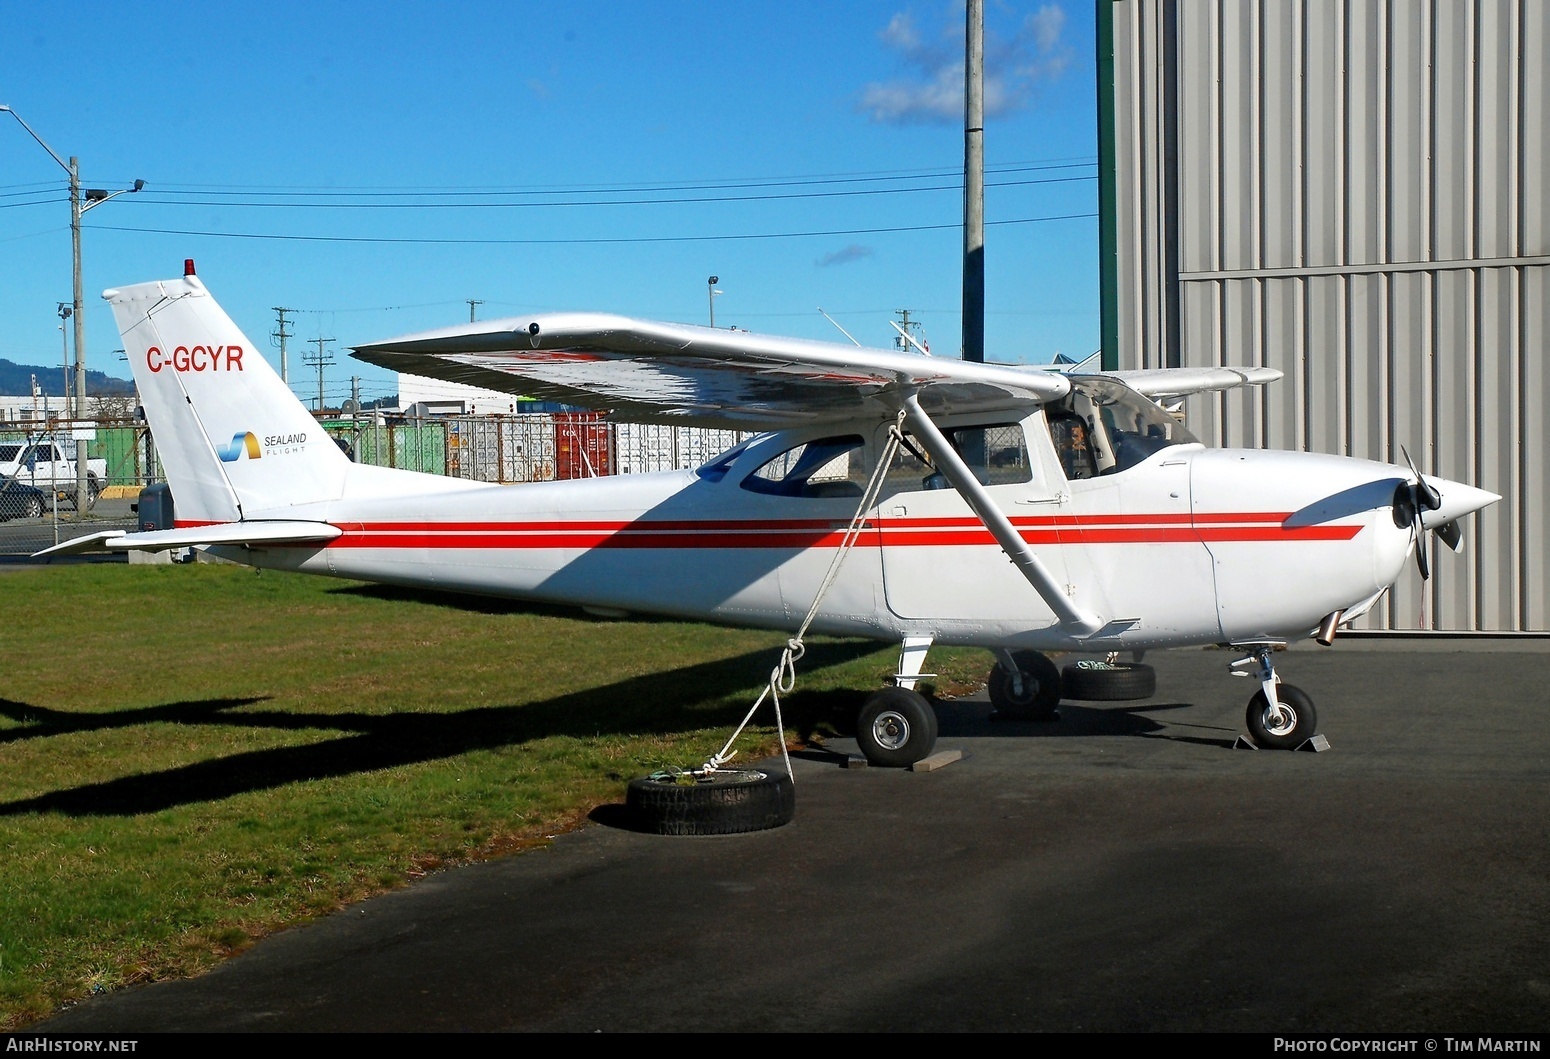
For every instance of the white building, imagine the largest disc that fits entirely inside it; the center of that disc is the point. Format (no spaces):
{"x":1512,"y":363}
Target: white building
{"x":24,"y":412}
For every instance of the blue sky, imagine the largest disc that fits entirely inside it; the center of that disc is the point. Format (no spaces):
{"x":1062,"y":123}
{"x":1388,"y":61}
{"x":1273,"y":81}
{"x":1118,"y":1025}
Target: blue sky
{"x":376,"y":165}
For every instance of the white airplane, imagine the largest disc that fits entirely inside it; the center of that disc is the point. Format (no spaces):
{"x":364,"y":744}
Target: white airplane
{"x":1009,"y":508}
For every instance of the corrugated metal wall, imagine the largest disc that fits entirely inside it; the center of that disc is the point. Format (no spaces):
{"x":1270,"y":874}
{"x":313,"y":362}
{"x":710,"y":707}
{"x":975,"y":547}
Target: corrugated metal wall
{"x":1355,"y":192}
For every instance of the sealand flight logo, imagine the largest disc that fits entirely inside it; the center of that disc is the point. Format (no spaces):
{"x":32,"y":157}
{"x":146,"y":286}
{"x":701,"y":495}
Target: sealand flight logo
{"x":246,"y":443}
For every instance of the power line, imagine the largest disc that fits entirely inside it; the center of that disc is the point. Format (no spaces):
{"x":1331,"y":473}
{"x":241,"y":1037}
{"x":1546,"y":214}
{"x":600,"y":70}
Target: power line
{"x":956,"y":187}
{"x":606,"y":240}
{"x":732,"y":183}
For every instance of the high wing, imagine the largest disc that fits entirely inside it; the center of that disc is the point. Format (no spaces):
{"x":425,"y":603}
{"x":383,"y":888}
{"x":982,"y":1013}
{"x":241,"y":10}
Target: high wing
{"x":1159,"y":383}
{"x":643,"y":371}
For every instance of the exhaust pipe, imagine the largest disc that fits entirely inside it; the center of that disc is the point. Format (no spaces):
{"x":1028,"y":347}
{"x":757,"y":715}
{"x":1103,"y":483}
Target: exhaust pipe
{"x":1327,"y":627}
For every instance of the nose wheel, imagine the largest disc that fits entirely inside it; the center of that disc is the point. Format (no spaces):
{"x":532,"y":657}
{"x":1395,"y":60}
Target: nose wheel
{"x":1279,"y":716}
{"x":1286,"y":725}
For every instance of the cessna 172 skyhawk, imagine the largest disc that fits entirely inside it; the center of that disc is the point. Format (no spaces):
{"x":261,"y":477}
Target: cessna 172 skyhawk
{"x":1015,"y":509}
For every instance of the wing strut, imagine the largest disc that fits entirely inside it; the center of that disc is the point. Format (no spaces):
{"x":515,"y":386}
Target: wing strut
{"x":947,"y":460}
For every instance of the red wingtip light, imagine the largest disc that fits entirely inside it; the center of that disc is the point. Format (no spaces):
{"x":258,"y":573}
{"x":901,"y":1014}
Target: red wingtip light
{"x":188,"y":266}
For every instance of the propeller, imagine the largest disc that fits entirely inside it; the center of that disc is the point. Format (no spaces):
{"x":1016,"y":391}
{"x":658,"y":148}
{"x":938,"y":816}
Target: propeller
{"x":1411,"y":500}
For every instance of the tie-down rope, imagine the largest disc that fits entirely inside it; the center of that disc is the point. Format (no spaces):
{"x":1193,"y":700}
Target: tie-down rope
{"x":783,"y":678}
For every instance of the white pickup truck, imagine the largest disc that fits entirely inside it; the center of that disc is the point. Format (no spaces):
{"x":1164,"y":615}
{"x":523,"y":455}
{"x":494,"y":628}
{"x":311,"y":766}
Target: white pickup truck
{"x":46,"y":465}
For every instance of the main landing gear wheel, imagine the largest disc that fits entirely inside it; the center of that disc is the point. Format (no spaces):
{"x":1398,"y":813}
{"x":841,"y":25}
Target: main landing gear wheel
{"x":896,"y":728}
{"x":1108,"y":681}
{"x":719,"y":803}
{"x":1288,"y":725}
{"x":92,"y":491}
{"x":1036,"y":699}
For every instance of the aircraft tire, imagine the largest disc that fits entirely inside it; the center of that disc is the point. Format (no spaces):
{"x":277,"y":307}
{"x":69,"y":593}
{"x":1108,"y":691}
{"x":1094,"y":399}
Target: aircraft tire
{"x":724,"y":803}
{"x":896,"y":728}
{"x":92,"y":489}
{"x":1286,"y":729}
{"x":1041,"y":689}
{"x":1108,"y":681}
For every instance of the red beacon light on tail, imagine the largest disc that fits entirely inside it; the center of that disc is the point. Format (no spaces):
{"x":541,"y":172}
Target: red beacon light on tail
{"x":188,"y":266}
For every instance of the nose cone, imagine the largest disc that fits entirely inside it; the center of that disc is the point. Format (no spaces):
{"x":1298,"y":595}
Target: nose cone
{"x":1458,"y":500}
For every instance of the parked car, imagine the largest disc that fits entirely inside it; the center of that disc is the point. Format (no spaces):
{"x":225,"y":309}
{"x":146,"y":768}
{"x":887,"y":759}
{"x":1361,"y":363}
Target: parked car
{"x":43,"y":463}
{"x":20,"y":500}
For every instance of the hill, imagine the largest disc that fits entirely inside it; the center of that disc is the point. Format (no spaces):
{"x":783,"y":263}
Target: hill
{"x":16,"y":381}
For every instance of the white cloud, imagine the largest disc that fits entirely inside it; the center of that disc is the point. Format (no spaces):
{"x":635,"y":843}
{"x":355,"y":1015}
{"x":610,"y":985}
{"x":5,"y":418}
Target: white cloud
{"x":931,"y":92}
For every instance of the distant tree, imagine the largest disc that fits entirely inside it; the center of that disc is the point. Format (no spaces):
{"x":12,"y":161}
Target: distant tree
{"x":107,"y":407}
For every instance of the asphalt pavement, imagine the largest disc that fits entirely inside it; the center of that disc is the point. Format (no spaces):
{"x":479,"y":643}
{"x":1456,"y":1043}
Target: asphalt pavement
{"x":1122,"y":869}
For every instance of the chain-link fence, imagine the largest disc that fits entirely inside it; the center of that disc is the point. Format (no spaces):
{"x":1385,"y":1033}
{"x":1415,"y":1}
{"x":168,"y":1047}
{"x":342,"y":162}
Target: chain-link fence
{"x":36,"y":511}
{"x":38,"y":486}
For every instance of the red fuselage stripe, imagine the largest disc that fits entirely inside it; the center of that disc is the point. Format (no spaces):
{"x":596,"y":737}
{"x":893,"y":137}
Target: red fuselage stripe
{"x":827,"y":533}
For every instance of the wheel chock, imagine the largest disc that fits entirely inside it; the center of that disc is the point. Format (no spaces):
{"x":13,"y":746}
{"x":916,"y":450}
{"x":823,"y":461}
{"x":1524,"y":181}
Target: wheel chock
{"x":941,"y":759}
{"x":854,"y":761}
{"x":1315,"y":744}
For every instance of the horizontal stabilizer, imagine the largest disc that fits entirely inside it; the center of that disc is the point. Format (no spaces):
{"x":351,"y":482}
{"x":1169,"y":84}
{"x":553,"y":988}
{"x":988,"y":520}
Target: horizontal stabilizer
{"x":238,"y":533}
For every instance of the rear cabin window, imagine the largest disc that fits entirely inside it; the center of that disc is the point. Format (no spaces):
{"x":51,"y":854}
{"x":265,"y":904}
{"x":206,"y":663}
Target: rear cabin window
{"x":717,"y":468}
{"x":997,"y":455}
{"x":822,"y":468}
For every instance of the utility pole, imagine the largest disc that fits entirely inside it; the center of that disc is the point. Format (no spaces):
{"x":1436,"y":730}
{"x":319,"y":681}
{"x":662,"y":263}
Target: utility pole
{"x":282,"y":334}
{"x":320,"y":360}
{"x":471,"y":303}
{"x":93,"y":197}
{"x":907,"y":331}
{"x":974,"y":183}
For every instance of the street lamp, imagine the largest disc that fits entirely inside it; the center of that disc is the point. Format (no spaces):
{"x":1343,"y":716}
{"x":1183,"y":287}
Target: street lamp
{"x":93,"y":197}
{"x":65,"y":312}
{"x":710,"y":286}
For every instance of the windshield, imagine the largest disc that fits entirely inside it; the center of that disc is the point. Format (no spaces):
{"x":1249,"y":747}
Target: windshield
{"x":9,"y":453}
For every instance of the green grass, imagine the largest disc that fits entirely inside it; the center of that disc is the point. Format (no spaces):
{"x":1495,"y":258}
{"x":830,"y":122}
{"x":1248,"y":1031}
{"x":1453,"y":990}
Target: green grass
{"x":195,"y":756}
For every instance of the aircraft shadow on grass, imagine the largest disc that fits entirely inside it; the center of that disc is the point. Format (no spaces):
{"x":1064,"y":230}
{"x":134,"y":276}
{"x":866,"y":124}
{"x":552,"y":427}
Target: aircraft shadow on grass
{"x":649,"y":704}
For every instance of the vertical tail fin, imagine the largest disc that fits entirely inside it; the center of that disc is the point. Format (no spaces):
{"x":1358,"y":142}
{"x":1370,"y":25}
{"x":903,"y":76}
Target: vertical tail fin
{"x":235,"y":442}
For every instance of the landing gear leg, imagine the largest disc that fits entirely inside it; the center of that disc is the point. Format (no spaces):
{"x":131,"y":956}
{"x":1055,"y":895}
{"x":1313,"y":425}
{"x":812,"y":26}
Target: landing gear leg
{"x":1279,"y":716}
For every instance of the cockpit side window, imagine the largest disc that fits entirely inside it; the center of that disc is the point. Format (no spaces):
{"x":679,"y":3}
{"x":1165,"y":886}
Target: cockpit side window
{"x":1073,"y":445}
{"x":827,"y":467}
